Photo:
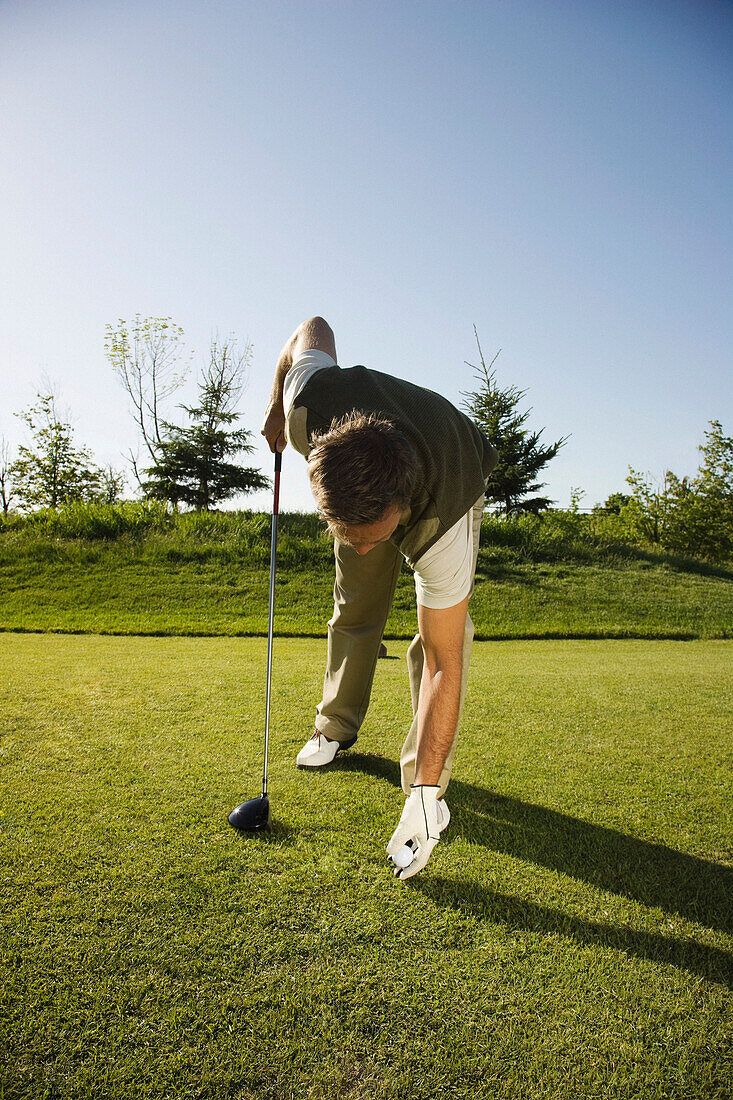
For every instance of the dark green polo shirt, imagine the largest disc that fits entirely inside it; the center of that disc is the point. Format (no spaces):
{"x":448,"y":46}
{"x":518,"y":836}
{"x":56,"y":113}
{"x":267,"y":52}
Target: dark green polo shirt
{"x":454,"y":458}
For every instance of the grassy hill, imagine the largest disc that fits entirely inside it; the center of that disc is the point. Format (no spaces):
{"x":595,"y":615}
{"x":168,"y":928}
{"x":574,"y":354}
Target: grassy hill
{"x":132,"y":569}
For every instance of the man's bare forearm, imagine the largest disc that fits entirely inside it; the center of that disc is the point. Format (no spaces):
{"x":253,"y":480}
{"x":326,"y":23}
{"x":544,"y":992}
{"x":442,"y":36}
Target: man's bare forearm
{"x":439,"y":702}
{"x":437,"y":719}
{"x":284,"y":363}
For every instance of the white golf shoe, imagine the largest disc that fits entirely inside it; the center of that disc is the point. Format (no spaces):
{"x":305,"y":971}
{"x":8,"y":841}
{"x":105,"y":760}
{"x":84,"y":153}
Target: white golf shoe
{"x":443,"y":815}
{"x":319,"y":751}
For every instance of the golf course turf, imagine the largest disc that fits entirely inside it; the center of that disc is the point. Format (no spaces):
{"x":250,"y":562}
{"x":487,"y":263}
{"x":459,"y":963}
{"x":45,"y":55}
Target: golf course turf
{"x":571,"y":936}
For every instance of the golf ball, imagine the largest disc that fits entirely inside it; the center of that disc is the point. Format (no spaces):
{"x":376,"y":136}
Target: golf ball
{"x":403,"y":857}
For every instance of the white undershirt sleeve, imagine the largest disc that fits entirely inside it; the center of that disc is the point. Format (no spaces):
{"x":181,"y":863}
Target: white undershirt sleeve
{"x":303,"y":368}
{"x":444,"y":573}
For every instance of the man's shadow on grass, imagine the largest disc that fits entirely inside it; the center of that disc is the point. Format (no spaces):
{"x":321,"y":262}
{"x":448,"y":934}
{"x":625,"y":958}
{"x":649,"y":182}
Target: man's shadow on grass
{"x":652,"y":874}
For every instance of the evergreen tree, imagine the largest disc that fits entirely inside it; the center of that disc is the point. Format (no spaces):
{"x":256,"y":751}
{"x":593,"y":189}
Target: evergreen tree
{"x":193,"y":464}
{"x":494,"y":410}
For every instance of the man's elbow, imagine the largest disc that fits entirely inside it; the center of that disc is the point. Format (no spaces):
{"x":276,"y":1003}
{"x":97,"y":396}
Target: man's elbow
{"x":315,"y":334}
{"x":317,"y":326}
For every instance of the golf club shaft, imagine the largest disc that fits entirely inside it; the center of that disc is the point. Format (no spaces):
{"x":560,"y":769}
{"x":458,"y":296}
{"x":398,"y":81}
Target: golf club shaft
{"x":273,"y":549}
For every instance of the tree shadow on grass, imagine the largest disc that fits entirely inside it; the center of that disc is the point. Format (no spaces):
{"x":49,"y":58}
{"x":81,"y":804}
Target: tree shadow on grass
{"x":652,"y":874}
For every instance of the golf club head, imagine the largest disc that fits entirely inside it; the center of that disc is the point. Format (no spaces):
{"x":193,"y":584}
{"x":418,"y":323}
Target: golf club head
{"x":252,"y":816}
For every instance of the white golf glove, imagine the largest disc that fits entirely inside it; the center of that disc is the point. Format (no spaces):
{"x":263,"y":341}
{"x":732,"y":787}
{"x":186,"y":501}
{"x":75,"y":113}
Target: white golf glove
{"x":418,"y":827}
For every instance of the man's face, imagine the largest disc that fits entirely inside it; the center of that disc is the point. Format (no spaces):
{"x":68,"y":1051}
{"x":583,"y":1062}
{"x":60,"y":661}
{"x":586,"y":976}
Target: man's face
{"x":365,"y":537}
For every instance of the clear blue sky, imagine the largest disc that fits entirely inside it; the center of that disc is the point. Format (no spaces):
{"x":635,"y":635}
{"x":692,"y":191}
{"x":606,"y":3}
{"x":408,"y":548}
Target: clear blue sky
{"x":557,"y":173}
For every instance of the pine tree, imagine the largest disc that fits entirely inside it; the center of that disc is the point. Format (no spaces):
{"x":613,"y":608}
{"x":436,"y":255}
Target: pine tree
{"x":494,"y":410}
{"x":192,"y":464}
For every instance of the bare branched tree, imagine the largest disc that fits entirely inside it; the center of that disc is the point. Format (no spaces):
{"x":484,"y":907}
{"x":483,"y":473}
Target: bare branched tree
{"x":112,"y":485}
{"x":5,"y":482}
{"x":146,"y":357}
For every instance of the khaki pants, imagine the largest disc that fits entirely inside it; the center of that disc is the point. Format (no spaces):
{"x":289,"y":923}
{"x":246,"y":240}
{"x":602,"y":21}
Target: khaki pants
{"x":363,"y":594}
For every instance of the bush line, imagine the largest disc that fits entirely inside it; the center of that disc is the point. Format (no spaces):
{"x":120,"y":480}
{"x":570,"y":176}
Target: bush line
{"x":149,"y":530}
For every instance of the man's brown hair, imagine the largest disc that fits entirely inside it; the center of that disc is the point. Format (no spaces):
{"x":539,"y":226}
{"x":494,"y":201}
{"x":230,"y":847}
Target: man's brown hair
{"x":360,"y":469}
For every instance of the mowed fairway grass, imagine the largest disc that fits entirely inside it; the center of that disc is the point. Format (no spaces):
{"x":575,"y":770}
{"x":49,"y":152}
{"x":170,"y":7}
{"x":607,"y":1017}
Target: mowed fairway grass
{"x":570,"y":938}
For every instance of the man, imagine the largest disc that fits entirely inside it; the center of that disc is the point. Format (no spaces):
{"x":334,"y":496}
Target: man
{"x":398,"y":473}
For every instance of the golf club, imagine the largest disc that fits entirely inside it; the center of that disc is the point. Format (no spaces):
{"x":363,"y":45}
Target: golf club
{"x":254,"y":815}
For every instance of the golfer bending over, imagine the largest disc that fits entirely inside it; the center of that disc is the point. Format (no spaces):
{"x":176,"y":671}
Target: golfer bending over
{"x":397,"y":473}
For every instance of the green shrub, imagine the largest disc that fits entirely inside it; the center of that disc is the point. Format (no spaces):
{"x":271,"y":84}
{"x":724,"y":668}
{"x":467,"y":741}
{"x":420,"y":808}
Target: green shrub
{"x":91,"y":521}
{"x":554,"y":536}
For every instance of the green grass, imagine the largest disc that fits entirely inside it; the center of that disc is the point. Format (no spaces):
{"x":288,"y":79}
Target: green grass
{"x":571,"y":936}
{"x":167,"y":584}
